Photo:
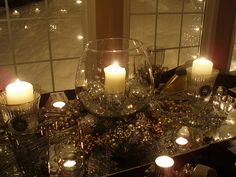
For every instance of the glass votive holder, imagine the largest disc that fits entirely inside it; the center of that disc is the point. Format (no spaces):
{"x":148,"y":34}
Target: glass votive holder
{"x":200,"y":86}
{"x":22,"y":126}
{"x":20,"y":118}
{"x":70,"y":161}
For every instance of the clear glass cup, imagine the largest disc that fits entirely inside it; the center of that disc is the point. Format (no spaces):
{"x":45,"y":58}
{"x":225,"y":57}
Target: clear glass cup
{"x":114,"y":77}
{"x":22,"y":127}
{"x":20,"y":118}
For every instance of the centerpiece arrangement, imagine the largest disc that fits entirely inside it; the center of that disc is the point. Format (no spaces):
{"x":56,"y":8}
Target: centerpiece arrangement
{"x":116,"y":117}
{"x":114,"y":77}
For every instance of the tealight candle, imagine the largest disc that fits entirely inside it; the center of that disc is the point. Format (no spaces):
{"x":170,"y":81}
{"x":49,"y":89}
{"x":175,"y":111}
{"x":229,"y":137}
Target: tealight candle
{"x":164,"y":161}
{"x":69,"y":163}
{"x":59,"y":104}
{"x":202,"y":66}
{"x":181,"y":141}
{"x":164,"y":166}
{"x":19,"y":92}
{"x":114,"y":79}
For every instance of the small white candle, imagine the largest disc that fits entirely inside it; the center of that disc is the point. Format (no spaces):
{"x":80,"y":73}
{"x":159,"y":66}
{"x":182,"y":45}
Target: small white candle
{"x":181,"y":141}
{"x":19,"y":92}
{"x":164,"y":161}
{"x":69,"y":163}
{"x":114,"y":79}
{"x":59,"y":104}
{"x":202,"y":66}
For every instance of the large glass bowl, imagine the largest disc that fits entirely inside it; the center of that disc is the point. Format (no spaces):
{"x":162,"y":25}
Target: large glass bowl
{"x":114,"y":77}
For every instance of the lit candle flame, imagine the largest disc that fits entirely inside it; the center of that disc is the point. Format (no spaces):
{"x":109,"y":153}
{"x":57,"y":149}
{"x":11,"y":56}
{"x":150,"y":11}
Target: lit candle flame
{"x":181,"y":141}
{"x":59,"y":104}
{"x":69,"y":163}
{"x":78,"y":1}
{"x":80,"y":37}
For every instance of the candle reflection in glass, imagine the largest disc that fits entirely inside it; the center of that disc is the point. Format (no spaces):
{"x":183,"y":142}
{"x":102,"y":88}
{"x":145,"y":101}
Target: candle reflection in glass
{"x":69,"y":163}
{"x":59,"y":104}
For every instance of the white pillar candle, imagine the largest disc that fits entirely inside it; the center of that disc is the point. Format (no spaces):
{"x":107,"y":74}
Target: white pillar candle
{"x":114,"y":79}
{"x":202,"y":66}
{"x":19,"y":92}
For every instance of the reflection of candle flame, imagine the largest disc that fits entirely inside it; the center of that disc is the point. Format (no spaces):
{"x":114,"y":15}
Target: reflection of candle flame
{"x":196,"y":29}
{"x":59,"y":104}
{"x":181,"y":141}
{"x":80,"y":37}
{"x":78,"y":1}
{"x":229,"y":121}
{"x":183,"y":131}
{"x":16,"y":13}
{"x":164,"y":161}
{"x":69,"y":163}
{"x":63,"y":11}
{"x":37,"y":10}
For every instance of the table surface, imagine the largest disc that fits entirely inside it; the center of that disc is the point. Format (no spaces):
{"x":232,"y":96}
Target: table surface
{"x":134,"y":159}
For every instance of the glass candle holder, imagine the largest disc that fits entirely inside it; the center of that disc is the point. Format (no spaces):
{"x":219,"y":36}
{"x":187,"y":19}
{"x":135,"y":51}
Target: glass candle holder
{"x":20,"y":118}
{"x":70,"y":162}
{"x":22,"y":126}
{"x":114,"y":77}
{"x":200,"y":85}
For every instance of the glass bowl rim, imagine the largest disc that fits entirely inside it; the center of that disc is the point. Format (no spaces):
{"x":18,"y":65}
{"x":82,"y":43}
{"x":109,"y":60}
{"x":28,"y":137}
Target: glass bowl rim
{"x":138,"y":42}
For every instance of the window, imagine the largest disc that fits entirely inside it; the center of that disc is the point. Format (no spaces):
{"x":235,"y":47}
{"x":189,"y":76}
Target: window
{"x":172,"y":29}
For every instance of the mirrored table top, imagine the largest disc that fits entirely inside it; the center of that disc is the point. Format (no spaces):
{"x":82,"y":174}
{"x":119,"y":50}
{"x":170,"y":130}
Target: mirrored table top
{"x":170,"y":124}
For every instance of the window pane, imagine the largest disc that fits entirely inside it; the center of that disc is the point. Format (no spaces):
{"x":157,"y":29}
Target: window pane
{"x":193,"y":5}
{"x":142,"y":27}
{"x":5,"y":47}
{"x":168,"y":31}
{"x":191,"y":31}
{"x":141,"y":6}
{"x":170,"y":5}
{"x":188,"y":54}
{"x":171,"y":58}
